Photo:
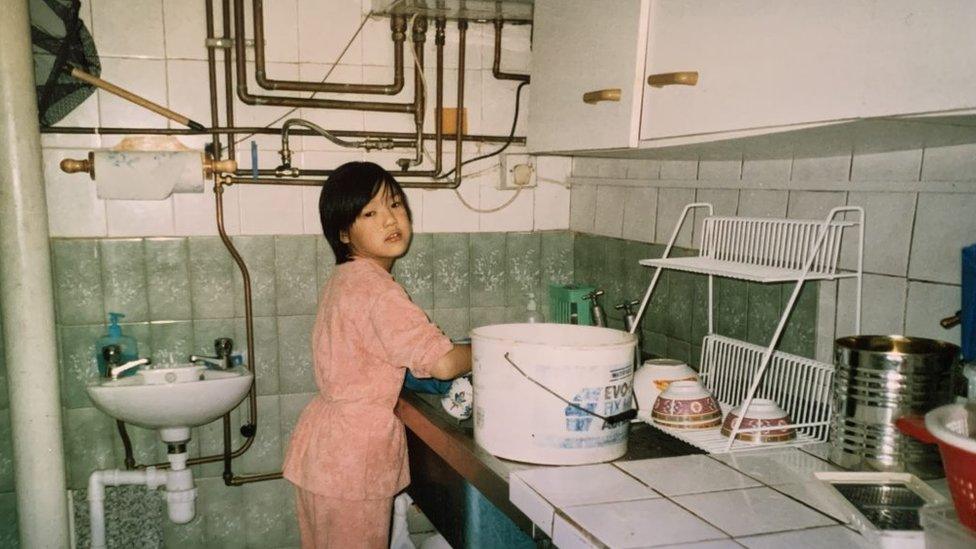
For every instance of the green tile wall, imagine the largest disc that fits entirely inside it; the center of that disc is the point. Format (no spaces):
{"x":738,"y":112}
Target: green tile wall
{"x":179,"y":294}
{"x":677,"y":318}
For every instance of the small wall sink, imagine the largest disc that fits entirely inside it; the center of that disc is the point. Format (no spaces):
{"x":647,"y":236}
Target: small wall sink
{"x":172,"y":398}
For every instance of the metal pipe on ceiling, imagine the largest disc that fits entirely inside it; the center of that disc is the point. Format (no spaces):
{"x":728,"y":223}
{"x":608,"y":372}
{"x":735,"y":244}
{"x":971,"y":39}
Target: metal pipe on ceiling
{"x":398,"y":28}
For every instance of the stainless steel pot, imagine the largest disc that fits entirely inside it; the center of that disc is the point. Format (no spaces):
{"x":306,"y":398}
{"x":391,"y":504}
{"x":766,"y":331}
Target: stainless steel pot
{"x":879,"y":379}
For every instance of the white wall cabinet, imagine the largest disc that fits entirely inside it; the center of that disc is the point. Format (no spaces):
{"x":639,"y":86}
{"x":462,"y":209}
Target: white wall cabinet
{"x":764,"y":66}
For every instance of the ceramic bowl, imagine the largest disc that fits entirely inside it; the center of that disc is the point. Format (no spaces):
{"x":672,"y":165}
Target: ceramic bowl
{"x":686,"y":405}
{"x":459,"y":400}
{"x":765,"y":413}
{"x":653,"y":378}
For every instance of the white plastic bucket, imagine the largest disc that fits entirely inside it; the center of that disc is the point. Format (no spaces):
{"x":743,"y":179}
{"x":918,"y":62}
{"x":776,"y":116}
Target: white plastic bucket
{"x":517,"y":419}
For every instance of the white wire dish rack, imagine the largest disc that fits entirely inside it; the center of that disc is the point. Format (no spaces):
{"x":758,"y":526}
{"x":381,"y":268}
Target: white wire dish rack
{"x":736,"y":372}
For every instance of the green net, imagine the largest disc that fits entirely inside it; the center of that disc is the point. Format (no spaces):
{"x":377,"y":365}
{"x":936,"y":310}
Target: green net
{"x":60,"y":40}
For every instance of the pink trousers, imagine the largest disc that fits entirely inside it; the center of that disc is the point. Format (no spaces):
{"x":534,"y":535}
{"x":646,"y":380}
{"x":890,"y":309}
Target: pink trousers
{"x":335,"y":523}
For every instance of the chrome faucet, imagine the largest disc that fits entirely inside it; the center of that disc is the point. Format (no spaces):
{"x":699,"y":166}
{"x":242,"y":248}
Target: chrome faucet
{"x":115,"y":372}
{"x":113,"y":362}
{"x":222,"y":348}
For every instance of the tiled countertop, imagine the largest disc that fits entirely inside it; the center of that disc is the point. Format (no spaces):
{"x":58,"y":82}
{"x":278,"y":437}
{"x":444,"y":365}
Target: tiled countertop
{"x":757,"y":499}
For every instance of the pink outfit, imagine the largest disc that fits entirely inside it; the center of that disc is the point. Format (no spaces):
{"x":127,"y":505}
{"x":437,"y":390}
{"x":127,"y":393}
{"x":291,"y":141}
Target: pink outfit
{"x":348,"y":444}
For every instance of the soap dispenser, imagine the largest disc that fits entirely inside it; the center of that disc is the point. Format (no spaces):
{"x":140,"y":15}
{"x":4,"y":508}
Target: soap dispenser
{"x":532,"y":313}
{"x":127,"y":344}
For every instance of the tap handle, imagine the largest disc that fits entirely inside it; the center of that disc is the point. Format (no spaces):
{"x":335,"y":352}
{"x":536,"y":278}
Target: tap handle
{"x":594,"y":294}
{"x":112,"y":355}
{"x":627,"y":306}
{"x":223,"y":346}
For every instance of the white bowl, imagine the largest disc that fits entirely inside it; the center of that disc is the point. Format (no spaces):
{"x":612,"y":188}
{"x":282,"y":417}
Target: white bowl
{"x":653,"y":378}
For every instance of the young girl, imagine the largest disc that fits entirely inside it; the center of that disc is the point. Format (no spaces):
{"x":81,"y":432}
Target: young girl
{"x":347,"y":457}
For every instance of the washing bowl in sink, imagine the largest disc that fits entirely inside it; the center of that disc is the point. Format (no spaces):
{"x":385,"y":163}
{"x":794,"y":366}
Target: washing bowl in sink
{"x":172,"y":398}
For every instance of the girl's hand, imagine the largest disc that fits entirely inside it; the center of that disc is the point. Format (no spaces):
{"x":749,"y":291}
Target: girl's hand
{"x":455,"y":363}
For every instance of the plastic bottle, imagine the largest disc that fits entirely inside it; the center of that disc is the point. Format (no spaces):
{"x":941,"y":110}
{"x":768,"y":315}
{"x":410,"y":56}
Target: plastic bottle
{"x":127,"y":344}
{"x":532,"y":314}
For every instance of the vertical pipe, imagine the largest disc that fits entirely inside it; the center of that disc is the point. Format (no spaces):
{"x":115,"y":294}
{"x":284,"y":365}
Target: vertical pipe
{"x":26,"y":293}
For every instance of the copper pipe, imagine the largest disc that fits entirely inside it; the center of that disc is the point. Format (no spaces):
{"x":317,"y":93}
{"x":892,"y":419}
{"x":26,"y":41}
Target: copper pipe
{"x":251,"y":99}
{"x":248,"y":309}
{"x":459,"y":125}
{"x":496,"y":66}
{"x":229,"y":180}
{"x":439,"y":40}
{"x":228,"y":79}
{"x":398,"y":28}
{"x":419,"y":107}
{"x":241,"y":480}
{"x":459,"y":140}
{"x":212,"y":81}
{"x":262,"y":130}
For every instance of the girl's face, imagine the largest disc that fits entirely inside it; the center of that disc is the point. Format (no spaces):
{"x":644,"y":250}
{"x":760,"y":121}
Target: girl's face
{"x":381,"y":231}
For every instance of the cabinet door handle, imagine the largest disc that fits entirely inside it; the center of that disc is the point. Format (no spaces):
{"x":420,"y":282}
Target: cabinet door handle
{"x":609,"y":94}
{"x":684,"y":78}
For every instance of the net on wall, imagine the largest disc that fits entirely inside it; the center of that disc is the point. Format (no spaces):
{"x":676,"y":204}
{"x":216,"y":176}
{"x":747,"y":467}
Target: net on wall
{"x":60,"y":40}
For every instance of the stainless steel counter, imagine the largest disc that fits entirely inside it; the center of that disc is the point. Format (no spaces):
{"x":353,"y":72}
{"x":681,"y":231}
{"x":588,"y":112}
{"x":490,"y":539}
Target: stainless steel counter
{"x":444,"y":460}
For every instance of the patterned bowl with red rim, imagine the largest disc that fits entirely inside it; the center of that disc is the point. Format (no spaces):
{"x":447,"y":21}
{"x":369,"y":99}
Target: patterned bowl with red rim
{"x":686,"y":405}
{"x":763,"y":413}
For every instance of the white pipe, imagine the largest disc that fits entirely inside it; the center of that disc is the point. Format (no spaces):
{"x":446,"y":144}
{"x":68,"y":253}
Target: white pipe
{"x":180,"y":493}
{"x":27,"y":297}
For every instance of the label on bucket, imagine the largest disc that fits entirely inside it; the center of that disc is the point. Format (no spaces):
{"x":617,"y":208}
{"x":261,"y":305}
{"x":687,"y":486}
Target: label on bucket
{"x":605,"y":400}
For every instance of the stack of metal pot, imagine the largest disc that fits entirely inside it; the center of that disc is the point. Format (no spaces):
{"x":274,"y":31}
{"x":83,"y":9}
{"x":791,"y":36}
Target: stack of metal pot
{"x":879,"y":379}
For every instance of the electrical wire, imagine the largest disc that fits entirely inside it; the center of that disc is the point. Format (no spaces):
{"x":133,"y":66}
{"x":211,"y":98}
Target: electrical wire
{"x":324,"y":78}
{"x":511,"y":134}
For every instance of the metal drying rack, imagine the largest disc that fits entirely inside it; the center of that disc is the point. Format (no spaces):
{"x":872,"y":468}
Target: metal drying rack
{"x":766,"y":251}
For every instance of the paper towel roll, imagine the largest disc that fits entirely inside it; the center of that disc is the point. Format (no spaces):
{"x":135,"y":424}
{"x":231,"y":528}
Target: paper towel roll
{"x":147,"y":175}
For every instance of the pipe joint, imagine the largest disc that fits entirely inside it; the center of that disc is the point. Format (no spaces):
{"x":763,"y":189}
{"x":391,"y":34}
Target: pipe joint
{"x":398,"y":28}
{"x":420,"y":29}
{"x":439,"y":34}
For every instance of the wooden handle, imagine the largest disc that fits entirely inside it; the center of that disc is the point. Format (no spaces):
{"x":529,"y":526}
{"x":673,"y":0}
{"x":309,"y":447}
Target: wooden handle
{"x":609,"y":94}
{"x":138,"y":100}
{"x":683,"y":78}
{"x":86,"y":165}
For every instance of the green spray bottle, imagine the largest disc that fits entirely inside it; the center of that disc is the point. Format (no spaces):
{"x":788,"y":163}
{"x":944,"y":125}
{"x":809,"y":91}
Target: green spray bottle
{"x":127,"y":344}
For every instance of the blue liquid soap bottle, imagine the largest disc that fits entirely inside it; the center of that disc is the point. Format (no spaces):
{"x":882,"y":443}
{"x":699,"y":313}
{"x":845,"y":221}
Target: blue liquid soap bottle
{"x":127,"y":344}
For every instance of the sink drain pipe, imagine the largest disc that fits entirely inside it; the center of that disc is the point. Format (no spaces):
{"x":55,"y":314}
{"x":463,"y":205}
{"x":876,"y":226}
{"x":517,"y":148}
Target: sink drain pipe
{"x":181,"y":494}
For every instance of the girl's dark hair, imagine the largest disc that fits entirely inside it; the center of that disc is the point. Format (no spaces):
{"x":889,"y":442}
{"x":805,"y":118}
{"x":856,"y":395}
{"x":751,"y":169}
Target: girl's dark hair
{"x":345,"y":193}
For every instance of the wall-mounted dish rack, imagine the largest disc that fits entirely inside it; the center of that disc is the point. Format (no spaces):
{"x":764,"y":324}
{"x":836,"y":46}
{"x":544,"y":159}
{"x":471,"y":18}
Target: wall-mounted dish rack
{"x":766,"y":251}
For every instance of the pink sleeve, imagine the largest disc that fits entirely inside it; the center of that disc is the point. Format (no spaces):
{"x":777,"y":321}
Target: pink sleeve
{"x":405,"y":335}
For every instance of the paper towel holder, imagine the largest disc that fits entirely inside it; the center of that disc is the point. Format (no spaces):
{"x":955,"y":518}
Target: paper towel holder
{"x":87,"y":165}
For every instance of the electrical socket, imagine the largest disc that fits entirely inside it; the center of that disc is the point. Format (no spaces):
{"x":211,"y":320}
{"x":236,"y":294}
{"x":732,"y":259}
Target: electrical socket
{"x":517,"y":172}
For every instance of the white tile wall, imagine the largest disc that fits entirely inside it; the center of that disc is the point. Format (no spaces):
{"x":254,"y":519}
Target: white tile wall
{"x":156,"y":48}
{"x":927,"y":303}
{"x":887,"y":166}
{"x":128,"y":28}
{"x":610,"y":203}
{"x":582,"y":209}
{"x":883,"y":311}
{"x":344,"y":17}
{"x":670,"y":203}
{"x":944,"y":225}
{"x":889,"y":219}
{"x":813,"y":205}
{"x":640,"y":214}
